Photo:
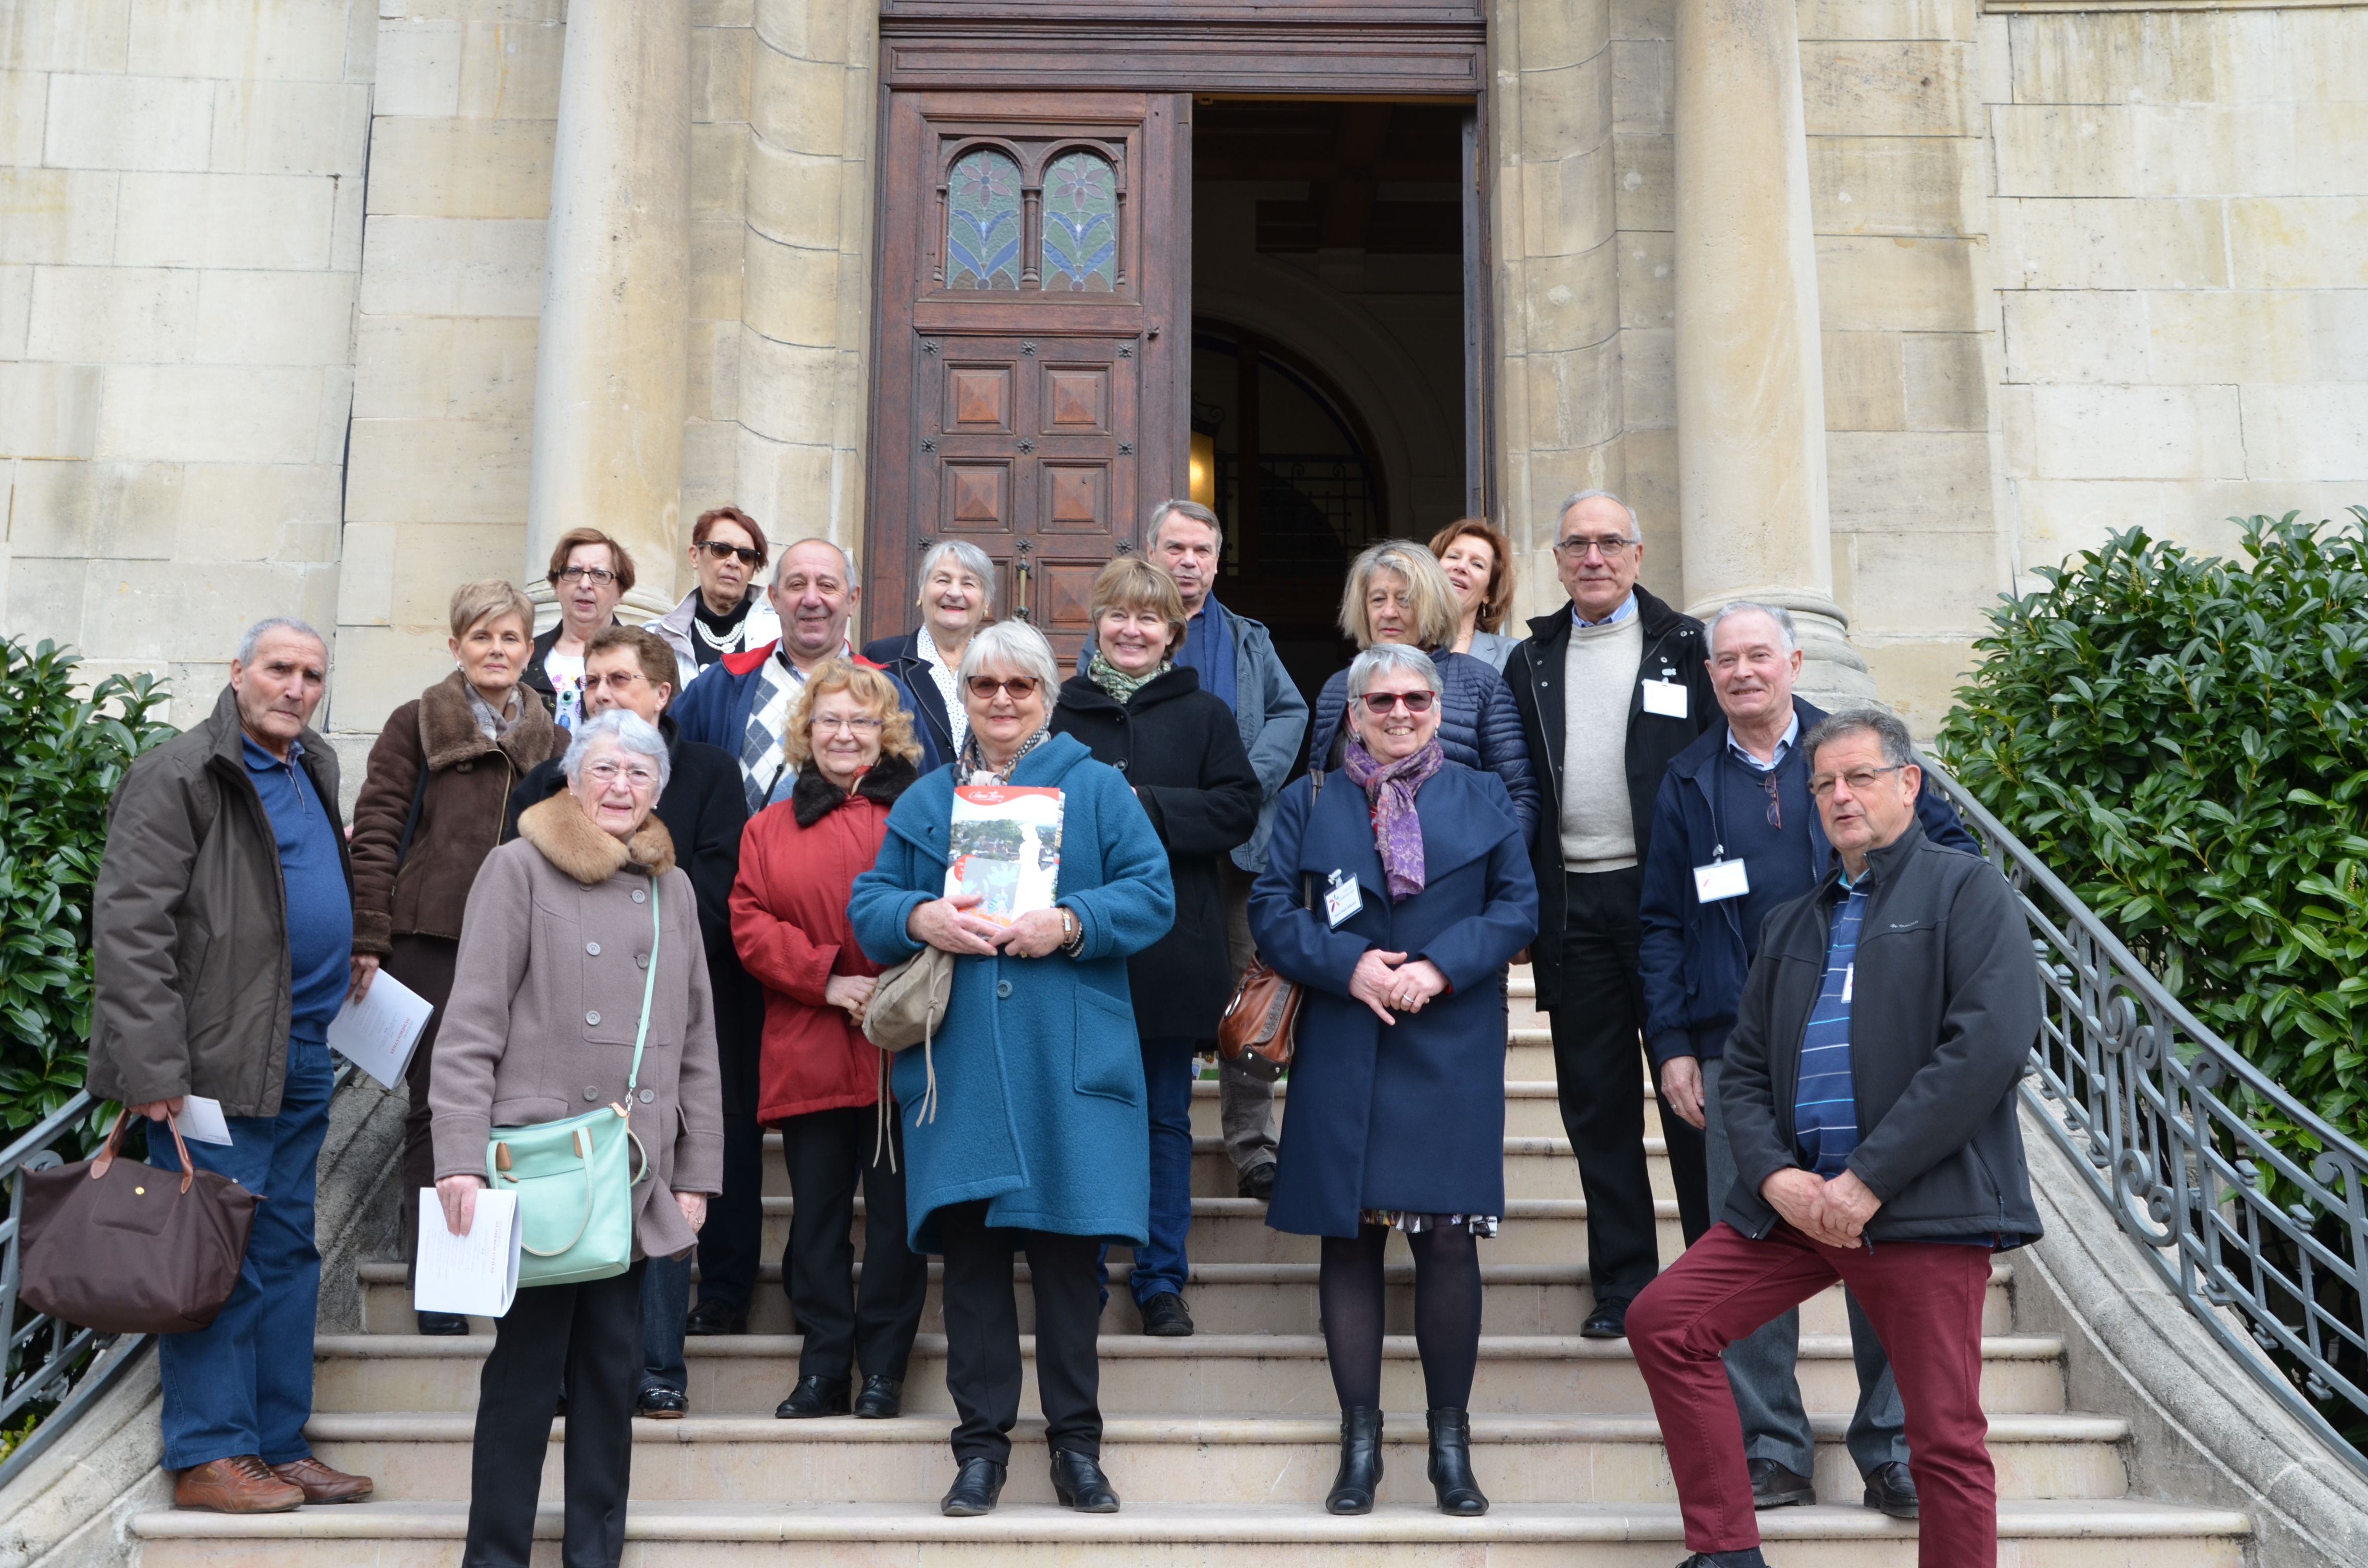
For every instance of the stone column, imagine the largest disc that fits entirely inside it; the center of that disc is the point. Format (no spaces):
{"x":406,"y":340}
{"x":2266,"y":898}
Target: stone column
{"x":1751,"y":380}
{"x":608,"y":394}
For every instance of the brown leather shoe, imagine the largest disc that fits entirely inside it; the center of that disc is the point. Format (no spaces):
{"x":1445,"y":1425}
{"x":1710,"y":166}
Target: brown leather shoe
{"x":240,"y":1484}
{"x":321,"y":1484}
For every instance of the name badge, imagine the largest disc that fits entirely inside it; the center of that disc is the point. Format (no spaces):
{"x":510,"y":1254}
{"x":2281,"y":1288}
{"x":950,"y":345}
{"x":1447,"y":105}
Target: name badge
{"x":1343,"y":899}
{"x":1666,"y":698}
{"x":1720,"y":879}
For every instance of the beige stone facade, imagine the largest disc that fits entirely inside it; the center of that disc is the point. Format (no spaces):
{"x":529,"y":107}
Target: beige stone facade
{"x":272,"y":280}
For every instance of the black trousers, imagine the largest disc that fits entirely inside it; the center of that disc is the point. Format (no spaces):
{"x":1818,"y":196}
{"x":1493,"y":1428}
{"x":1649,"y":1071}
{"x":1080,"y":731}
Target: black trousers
{"x":827,"y":1153}
{"x":732,"y":1243}
{"x":982,"y":1335}
{"x":426,"y":965}
{"x":1598,"y":1023}
{"x":591,"y":1337}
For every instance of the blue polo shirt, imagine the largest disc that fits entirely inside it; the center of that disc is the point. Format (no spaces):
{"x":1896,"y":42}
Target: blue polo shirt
{"x":320,"y":903}
{"x":1825,"y":1107}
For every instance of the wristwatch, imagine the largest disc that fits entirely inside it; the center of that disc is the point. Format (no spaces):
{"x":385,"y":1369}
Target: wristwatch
{"x":1072,"y":931}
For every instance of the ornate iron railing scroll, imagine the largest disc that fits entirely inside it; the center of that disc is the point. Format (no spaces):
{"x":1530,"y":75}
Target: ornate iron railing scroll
{"x":2268,"y":1246}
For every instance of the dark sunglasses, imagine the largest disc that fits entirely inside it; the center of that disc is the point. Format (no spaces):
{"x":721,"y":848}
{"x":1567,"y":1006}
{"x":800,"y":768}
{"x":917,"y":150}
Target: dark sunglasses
{"x":984,"y":687}
{"x":719,"y":550}
{"x":1380,"y":702}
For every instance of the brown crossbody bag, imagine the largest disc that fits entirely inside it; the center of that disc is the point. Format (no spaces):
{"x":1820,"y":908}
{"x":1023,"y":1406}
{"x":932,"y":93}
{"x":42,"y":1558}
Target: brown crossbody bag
{"x":1260,"y":1027}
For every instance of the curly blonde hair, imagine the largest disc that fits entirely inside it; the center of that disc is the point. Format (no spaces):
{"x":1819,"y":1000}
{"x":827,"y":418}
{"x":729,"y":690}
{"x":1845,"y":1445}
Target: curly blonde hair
{"x":870,"y":687}
{"x":1438,"y":614}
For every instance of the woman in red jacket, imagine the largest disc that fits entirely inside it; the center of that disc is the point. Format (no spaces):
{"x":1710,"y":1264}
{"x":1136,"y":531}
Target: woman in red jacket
{"x":819,"y":1081}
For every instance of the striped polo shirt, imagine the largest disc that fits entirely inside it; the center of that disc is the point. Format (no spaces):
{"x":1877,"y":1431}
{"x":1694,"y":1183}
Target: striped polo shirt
{"x":1825,"y":1107}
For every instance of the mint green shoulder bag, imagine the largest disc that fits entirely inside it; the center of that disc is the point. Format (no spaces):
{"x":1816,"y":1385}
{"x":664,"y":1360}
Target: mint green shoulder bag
{"x":574,"y":1179}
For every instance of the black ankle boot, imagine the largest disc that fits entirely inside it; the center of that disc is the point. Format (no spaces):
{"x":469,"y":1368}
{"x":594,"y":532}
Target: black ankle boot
{"x":1360,"y":1462}
{"x":1078,"y":1482}
{"x":1450,"y":1463}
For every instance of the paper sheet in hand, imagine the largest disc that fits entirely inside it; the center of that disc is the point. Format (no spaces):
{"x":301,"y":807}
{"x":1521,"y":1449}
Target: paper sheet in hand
{"x":1004,"y":847}
{"x":476,"y":1274}
{"x":202,"y":1120}
{"x":377,"y":1033}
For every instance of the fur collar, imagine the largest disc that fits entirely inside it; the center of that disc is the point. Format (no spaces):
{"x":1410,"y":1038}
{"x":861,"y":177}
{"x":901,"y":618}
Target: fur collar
{"x":568,"y":840}
{"x":449,"y":732}
{"x":813,"y":797}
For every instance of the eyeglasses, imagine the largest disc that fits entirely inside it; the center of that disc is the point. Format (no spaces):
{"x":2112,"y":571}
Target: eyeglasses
{"x":599,"y":576}
{"x":1380,"y":702}
{"x":1577,"y":549}
{"x":832,"y":722}
{"x":1858,"y":778}
{"x":719,"y":550}
{"x":1020,"y":687}
{"x":607,"y":773}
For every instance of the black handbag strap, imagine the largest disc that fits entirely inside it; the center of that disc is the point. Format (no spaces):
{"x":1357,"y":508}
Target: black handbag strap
{"x":411,"y":822}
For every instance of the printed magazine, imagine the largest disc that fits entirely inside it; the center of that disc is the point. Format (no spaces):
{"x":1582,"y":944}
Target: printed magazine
{"x":1006,"y":847}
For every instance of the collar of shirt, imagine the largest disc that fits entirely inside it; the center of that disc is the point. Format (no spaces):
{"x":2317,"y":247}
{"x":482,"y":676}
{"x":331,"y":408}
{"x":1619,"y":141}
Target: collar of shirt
{"x":1784,"y":744}
{"x":261,"y":761}
{"x":1627,"y":608}
{"x":782,"y":654}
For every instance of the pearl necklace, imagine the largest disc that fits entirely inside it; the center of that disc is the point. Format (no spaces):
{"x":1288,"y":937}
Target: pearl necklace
{"x":729,"y":639}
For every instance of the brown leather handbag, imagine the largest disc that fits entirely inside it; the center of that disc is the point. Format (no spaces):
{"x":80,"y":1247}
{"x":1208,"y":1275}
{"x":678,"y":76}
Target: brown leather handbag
{"x":124,"y":1247}
{"x":1260,"y":1027}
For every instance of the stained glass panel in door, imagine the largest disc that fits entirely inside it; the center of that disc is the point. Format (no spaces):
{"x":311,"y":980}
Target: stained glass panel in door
{"x":983,"y":222}
{"x":1081,"y":225}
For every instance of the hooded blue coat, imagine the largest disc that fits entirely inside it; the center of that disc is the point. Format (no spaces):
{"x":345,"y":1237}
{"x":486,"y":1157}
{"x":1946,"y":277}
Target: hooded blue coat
{"x":1039,"y":1076}
{"x":1411,"y":1116}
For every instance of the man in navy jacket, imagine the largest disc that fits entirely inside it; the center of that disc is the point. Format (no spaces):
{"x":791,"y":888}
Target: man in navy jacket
{"x":1736,"y":806}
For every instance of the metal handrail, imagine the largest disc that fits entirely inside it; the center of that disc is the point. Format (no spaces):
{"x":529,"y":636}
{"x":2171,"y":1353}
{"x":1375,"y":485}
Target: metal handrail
{"x":2159,"y":1114}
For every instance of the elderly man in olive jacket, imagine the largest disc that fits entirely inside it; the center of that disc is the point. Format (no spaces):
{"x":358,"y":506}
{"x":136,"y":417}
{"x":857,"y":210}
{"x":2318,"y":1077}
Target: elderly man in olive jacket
{"x":224,"y":932}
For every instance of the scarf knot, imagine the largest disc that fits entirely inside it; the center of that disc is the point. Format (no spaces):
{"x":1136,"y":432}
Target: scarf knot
{"x":1121,"y":685}
{"x":1390,"y":788}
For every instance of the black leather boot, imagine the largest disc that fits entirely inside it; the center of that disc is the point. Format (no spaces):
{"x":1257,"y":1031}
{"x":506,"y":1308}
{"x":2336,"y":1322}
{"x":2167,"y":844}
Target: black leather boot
{"x":977,"y":1487}
{"x":1450,"y":1464}
{"x":1360,"y":1462}
{"x":1078,"y":1482}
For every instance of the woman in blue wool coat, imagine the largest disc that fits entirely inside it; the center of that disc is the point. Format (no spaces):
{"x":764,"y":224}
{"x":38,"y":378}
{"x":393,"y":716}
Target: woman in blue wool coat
{"x":1037,"y":1139}
{"x":1397,"y":922}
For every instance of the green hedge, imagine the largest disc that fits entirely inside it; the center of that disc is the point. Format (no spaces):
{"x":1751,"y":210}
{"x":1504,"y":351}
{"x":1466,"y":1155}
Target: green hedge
{"x":61,"y":757}
{"x":2184,"y":739}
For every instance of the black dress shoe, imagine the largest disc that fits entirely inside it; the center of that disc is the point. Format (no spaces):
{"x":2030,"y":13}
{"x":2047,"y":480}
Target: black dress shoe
{"x":1450,"y":1464}
{"x":1257,"y":1182}
{"x":1773,"y":1486}
{"x":815,"y":1395}
{"x":1360,"y":1475}
{"x":1608,"y":1321}
{"x":1747,"y":1558}
{"x":1892,"y":1490}
{"x":1164,"y":1317}
{"x":883,"y":1399}
{"x":713,"y":1317}
{"x":443,"y":1323}
{"x":662,"y":1404}
{"x":977,"y":1487}
{"x":1078,"y":1482}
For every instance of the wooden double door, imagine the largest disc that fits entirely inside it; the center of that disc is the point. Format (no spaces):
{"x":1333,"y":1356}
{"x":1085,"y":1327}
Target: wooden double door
{"x":1034,"y":358}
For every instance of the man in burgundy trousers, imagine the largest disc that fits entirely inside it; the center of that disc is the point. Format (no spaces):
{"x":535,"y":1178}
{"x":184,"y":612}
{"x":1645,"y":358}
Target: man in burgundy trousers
{"x":1872,"y":1121}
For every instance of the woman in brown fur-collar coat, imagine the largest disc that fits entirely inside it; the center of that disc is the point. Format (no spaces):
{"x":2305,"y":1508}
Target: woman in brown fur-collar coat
{"x":431,"y":812}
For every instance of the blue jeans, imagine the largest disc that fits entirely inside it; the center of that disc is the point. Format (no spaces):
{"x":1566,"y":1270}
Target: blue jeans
{"x":666,"y":1303}
{"x":243,"y":1384}
{"x":1167,"y":1075}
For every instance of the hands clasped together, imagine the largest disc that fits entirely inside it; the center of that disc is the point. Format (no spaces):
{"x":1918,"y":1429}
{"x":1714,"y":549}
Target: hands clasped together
{"x":949,"y":924}
{"x":1832,"y":1213}
{"x":1385,"y":981}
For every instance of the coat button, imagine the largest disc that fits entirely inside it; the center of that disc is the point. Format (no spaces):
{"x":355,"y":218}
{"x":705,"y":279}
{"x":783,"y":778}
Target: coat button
{"x":592,"y":1017}
{"x":641,"y":959}
{"x":1003,"y":988}
{"x":640,"y":897}
{"x":592,"y":948}
{"x":590,"y":1093}
{"x":648,"y":1095}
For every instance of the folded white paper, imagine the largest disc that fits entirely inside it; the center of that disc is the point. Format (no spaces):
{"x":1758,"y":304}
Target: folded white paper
{"x":377,"y":1033}
{"x":202,"y":1120}
{"x":477,"y":1274}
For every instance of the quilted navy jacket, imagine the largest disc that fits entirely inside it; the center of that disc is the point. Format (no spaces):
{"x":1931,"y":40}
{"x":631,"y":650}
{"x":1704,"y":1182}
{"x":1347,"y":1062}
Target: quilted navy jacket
{"x":1478,"y":727}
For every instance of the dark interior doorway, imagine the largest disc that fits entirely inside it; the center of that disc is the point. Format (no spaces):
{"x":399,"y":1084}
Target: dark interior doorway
{"x":1334,"y":354}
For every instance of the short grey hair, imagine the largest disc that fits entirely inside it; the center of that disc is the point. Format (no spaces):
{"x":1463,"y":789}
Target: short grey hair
{"x":1636,"y":529}
{"x":1777,"y":613}
{"x":1013,"y":645}
{"x":265,"y":628}
{"x":1383,"y":657}
{"x":1177,"y":506}
{"x":629,"y":729}
{"x":969,"y":558}
{"x":1898,"y":746}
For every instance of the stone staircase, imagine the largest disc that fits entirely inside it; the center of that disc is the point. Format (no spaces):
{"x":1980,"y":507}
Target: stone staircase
{"x":1222,"y":1445}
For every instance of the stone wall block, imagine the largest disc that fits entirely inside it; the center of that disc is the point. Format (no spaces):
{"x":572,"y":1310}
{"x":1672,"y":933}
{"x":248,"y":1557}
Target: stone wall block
{"x":2137,"y":432}
{"x":1888,"y":185}
{"x":1648,"y":396}
{"x":289,"y":127}
{"x":210,"y":413}
{"x":721,"y":61}
{"x":334,"y":413}
{"x":2123,"y":243}
{"x":453,"y":266}
{"x":2266,"y":149}
{"x":1648,"y":293}
{"x":2126,"y":57}
{"x":723,"y":13}
{"x":818,"y":31}
{"x":798,"y":104}
{"x":1899,"y":483}
{"x":2063,"y":517}
{"x":1865,"y":385}
{"x":717,"y":271}
{"x":1888,"y":88}
{"x":457,"y":470}
{"x":1567,"y":207}
{"x":84,"y":509}
{"x":2314,"y":431}
{"x":1908,"y":585}
{"x":402,"y":367}
{"x":15,"y":310}
{"x":1881,"y":21}
{"x":1555,"y":33}
{"x":128,"y":122}
{"x":1642,"y":19}
{"x":2298,"y":242}
{"x":1648,"y":182}
{"x":510,"y":71}
{"x":49,"y":411}
{"x":2270,"y":336}
{"x":1947,"y":381}
{"x":1899,"y":284}
{"x":1641,"y":84}
{"x":2052,"y":150}
{"x":432,"y":559}
{"x":24,"y":116}
{"x":788,"y":481}
{"x":112,"y":314}
{"x":1573,"y":397}
{"x":274,"y":221}
{"x":48,"y":593}
{"x":365,"y":580}
{"x":1648,"y":469}
{"x":1566,"y":111}
{"x":788,"y":392}
{"x":289,"y":40}
{"x":418,"y":68}
{"x":710,"y":457}
{"x":380,"y":669}
{"x":43,"y":35}
{"x":257,"y":512}
{"x":493,"y":369}
{"x":461,"y":169}
{"x":1918,"y":680}
{"x":58,"y":215}
{"x":276,"y":318}
{"x":346,"y":219}
{"x":2099,"y":339}
{"x":1570,"y":302}
{"x":718,"y":171}
{"x":183,"y":611}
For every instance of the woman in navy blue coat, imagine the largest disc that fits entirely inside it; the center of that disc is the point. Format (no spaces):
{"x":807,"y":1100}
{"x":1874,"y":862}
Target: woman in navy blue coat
{"x":1398,"y":925}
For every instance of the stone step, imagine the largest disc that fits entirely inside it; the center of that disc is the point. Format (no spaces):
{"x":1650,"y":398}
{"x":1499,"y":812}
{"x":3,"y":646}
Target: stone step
{"x":1537,"y":1375}
{"x":1530,"y":1108}
{"x":1229,"y":1298}
{"x":1597,"y":1459}
{"x":765,"y":1534}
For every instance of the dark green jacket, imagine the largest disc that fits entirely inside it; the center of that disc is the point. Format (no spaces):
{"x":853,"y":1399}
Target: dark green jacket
{"x":191,"y":926}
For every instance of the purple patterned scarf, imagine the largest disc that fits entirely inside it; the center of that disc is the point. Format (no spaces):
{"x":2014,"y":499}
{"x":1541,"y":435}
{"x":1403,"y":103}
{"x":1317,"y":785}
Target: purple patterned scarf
{"x":1397,"y":831}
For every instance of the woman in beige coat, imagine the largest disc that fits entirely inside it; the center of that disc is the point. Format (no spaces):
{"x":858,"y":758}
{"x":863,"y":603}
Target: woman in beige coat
{"x":545,"y":1010}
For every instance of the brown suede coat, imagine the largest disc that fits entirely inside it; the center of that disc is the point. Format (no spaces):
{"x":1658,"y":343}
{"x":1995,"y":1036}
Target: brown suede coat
{"x":548,"y":998}
{"x":469,"y":784}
